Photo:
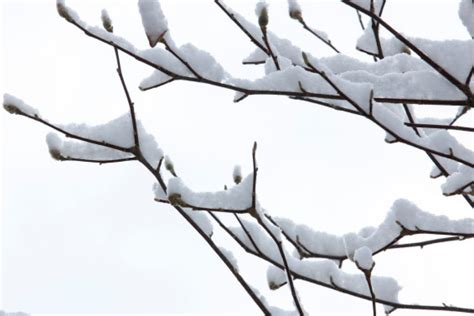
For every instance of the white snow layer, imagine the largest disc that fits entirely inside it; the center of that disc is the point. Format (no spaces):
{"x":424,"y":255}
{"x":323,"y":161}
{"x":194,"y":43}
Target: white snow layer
{"x":459,"y":180}
{"x":403,"y":212}
{"x":117,"y":132}
{"x":202,"y":62}
{"x":326,"y":271}
{"x":201,"y":219}
{"x":258,"y":56}
{"x":276,"y":277}
{"x":455,"y":56}
{"x":466,"y":14}
{"x":230,"y":256}
{"x":367,"y":43}
{"x":153,"y":19}
{"x":159,"y":193}
{"x":238,"y":197}
{"x":256,"y":239}
{"x":363,"y":258}
{"x":156,"y":79}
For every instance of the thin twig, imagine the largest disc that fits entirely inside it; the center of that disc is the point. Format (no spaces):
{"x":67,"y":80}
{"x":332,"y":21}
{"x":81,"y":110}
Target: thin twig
{"x":277,"y":241}
{"x":270,"y":51}
{"x":99,"y":161}
{"x":322,"y":39}
{"x":184,"y":62}
{"x":241,"y":27}
{"x":129,"y":100}
{"x":441,"y":126}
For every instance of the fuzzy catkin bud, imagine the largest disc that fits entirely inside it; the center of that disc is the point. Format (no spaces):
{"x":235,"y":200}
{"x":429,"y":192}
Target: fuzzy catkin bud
{"x":175,"y":199}
{"x":56,"y":154}
{"x":297,"y":15}
{"x":169,"y":166}
{"x":106,"y":21}
{"x":12,"y":109}
{"x":237,"y":175}
{"x":263,"y":18}
{"x":262,"y":12}
{"x":63,"y":11}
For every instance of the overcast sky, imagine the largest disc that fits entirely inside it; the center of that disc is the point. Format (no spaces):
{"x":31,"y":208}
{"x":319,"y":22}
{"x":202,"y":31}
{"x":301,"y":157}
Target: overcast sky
{"x":81,"y":238}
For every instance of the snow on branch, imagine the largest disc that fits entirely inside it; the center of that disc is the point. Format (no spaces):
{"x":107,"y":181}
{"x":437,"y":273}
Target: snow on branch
{"x":384,"y":92}
{"x":404,"y":219}
{"x":237,"y":199}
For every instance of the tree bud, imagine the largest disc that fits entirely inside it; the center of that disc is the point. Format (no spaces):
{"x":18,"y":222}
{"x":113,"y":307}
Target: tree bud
{"x":56,"y":154}
{"x":63,"y":11}
{"x":106,"y":21}
{"x":12,"y":109}
{"x":297,"y":15}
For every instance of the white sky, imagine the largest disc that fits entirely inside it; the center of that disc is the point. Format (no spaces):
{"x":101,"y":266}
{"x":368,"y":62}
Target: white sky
{"x":81,"y":238}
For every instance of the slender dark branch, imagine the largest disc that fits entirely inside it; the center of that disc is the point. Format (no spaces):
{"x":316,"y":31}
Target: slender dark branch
{"x":322,"y":39}
{"x":277,"y":241}
{"x":157,"y":85}
{"x":160,"y":163}
{"x":421,"y":101}
{"x":247,"y":233}
{"x":422,"y":244}
{"x":368,"y":274}
{"x":410,"y":118}
{"x":269,"y":48}
{"x":247,"y":249}
{"x":326,"y":104}
{"x":375,"y":30}
{"x":204,"y":208}
{"x":184,"y":62}
{"x":129,"y":100}
{"x":254,"y":182}
{"x":241,"y":27}
{"x":99,"y":161}
{"x":360,"y":20}
{"x":441,"y":126}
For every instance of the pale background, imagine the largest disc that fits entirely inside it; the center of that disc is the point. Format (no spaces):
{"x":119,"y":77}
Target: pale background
{"x":79,"y":238}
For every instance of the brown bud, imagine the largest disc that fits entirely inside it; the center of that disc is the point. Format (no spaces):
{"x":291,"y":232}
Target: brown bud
{"x":12,"y":109}
{"x":274,"y":286}
{"x":406,"y":50}
{"x":107,"y":22}
{"x":175,"y":199}
{"x":169,"y":166}
{"x":63,"y":11}
{"x":56,"y":154}
{"x":297,"y":15}
{"x":263,"y":18}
